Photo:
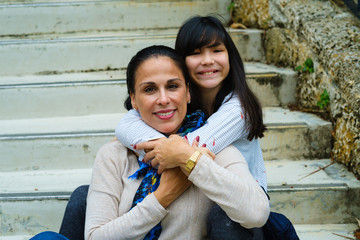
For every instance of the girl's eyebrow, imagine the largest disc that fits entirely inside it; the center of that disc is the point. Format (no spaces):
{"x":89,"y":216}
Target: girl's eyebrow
{"x":215,"y":44}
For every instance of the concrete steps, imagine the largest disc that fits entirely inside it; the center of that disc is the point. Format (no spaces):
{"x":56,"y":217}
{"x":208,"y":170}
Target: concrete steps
{"x":62,"y":87}
{"x":35,"y":17}
{"x":72,"y":142}
{"x":100,"y":52}
{"x":30,"y":199}
{"x":78,"y":94}
{"x":305,"y":232}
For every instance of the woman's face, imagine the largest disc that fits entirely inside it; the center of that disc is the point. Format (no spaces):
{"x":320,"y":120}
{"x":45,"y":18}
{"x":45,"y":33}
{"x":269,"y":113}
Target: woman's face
{"x":161,"y":94}
{"x":209,"y":66}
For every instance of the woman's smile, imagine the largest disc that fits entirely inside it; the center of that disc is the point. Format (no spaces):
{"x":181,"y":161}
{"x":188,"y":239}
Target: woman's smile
{"x":165,"y":114}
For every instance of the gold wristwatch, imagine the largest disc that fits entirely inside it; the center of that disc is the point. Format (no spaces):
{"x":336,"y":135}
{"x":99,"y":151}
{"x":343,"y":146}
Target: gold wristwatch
{"x":191,"y":162}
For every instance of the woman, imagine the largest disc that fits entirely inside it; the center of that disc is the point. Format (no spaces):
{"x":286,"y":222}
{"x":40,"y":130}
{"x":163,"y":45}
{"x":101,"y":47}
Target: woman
{"x":158,"y":91}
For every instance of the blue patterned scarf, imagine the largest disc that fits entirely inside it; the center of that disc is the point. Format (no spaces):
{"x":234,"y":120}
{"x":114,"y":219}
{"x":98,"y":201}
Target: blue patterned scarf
{"x":151,"y":178}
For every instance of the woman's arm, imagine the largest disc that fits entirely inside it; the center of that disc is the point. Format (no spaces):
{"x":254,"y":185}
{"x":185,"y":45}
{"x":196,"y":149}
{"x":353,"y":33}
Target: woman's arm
{"x":228,"y":182}
{"x":103,"y":220}
{"x":132,"y":130}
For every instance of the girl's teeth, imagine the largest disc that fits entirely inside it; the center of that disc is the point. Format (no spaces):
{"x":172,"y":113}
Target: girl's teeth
{"x":165,"y":114}
{"x":208,"y":73}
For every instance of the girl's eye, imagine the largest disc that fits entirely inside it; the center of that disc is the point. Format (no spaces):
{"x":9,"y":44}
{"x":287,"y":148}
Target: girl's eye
{"x":219,"y":50}
{"x":195,"y":52}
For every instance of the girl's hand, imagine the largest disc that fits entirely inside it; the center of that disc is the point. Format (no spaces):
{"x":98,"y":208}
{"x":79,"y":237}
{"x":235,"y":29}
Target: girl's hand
{"x":173,"y":183}
{"x":149,"y":146}
{"x":170,"y":153}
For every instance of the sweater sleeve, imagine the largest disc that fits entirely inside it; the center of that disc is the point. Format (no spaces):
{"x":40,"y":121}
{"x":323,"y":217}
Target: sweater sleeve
{"x":132,"y":130}
{"x":103,"y":220}
{"x":223,"y":127}
{"x":228,"y":182}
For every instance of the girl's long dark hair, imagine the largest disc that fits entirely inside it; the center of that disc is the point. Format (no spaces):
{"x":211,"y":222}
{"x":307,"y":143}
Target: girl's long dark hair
{"x":198,"y":32}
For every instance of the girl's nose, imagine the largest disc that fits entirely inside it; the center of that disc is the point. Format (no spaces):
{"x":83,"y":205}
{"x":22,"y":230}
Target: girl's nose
{"x":207,"y":58}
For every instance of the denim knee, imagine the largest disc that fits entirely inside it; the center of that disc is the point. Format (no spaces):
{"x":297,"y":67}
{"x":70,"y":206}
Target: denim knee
{"x":48,"y":235}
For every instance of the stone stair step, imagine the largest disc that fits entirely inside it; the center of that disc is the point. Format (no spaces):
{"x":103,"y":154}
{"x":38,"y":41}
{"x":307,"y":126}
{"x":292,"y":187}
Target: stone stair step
{"x":325,"y":231}
{"x":54,"y":143}
{"x":324,"y":197}
{"x":100,"y":52}
{"x":72,"y":142}
{"x":76,"y":94}
{"x":34,"y":201}
{"x":295,"y":135}
{"x":38,"y":17}
{"x":305,"y":232}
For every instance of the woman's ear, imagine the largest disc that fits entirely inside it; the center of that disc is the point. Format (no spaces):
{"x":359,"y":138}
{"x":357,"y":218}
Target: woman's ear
{"x":133,"y":102}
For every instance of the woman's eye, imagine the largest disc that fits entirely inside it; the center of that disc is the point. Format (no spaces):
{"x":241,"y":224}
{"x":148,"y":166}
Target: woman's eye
{"x":149,"y":89}
{"x":173,"y":86}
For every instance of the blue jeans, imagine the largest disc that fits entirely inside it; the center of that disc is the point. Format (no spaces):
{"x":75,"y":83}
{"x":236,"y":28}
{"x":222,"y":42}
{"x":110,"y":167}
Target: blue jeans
{"x":73,"y":223}
{"x":221,"y":227}
{"x":49,"y":236}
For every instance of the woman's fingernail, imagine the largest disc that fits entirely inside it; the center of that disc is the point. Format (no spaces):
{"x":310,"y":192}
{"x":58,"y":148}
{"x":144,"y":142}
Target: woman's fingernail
{"x":204,"y":145}
{"x":134,"y":146}
{"x":197,"y":138}
{"x":186,"y":138}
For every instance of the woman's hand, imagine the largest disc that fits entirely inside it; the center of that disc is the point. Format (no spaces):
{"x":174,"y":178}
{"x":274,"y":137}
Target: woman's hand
{"x":174,"y":152}
{"x":173,"y":183}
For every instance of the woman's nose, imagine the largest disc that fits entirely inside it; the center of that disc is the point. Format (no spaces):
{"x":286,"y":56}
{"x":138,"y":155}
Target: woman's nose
{"x":163,"y":98}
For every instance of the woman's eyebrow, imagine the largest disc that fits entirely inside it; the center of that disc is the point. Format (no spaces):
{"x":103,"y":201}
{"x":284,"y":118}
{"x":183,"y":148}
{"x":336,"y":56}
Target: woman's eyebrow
{"x":174,"y":79}
{"x":153,"y":83}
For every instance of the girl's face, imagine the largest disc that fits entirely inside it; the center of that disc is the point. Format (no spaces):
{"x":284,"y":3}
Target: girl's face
{"x":161,"y":94}
{"x":209,"y":66}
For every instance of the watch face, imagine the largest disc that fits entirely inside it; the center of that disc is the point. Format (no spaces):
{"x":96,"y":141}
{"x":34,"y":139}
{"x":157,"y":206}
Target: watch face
{"x":190,"y":165}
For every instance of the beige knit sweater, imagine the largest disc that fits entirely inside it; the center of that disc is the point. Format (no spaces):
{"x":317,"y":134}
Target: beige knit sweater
{"x":225,"y":181}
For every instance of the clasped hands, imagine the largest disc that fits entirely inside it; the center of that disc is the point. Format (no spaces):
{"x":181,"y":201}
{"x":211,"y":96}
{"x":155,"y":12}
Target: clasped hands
{"x":171,"y":152}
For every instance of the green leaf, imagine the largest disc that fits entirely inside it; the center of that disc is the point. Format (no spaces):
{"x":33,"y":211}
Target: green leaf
{"x":309,"y":63}
{"x":298,"y":68}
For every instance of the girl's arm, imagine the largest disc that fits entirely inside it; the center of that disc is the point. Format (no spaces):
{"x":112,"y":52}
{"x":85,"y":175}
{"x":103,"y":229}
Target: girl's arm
{"x":220,"y":130}
{"x":223,"y":127}
{"x":103,"y":220}
{"x":132,"y":130}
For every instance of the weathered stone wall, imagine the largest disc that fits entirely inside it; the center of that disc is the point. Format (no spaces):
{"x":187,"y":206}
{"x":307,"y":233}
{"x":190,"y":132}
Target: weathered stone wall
{"x":328,"y":33}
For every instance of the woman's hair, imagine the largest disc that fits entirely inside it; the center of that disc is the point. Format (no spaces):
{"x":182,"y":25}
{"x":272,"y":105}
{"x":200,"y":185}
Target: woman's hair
{"x":198,"y":32}
{"x":145,"y":54}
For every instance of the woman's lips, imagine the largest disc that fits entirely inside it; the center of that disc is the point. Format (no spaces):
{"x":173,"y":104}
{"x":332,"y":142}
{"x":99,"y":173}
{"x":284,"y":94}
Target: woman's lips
{"x":165,"y":114}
